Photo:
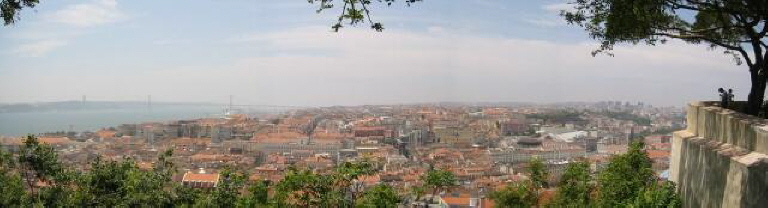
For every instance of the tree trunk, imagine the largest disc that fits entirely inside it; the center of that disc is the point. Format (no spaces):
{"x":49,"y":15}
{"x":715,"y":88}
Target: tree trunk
{"x":757,"y":91}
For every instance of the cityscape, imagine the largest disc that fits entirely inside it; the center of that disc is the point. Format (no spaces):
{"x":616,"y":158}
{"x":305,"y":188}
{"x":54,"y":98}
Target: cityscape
{"x":384,"y":103}
{"x":485,"y":146}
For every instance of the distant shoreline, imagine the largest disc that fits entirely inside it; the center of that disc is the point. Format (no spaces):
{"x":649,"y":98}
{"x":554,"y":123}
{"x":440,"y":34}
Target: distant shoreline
{"x":64,"y":106}
{"x":20,"y":123}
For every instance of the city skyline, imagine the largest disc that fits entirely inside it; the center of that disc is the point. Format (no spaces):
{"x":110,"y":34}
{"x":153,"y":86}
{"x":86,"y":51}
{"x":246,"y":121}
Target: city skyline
{"x":466,"y":51}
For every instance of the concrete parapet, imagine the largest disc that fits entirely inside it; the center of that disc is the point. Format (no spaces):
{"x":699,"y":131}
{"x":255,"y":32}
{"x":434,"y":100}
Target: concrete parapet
{"x":721,"y":159}
{"x":728,"y":126}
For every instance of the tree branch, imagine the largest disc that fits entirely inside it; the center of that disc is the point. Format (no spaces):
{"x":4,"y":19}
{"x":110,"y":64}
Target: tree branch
{"x":710,"y":40}
{"x":367,"y":12}
{"x":337,"y":26}
{"x":677,"y":5}
{"x":375,"y":26}
{"x":712,"y":6}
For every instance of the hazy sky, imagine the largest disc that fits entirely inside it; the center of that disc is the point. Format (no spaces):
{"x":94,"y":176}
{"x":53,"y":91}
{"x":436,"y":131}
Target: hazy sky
{"x":281,"y":52}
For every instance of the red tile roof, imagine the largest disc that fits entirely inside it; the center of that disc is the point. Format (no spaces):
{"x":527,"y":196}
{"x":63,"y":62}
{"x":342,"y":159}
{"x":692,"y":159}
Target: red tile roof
{"x":456,"y":200}
{"x":53,"y":140}
{"x":657,"y":153}
{"x":205,"y":177}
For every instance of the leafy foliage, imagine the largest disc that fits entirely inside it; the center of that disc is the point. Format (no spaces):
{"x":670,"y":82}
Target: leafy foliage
{"x":658,"y":195}
{"x":628,"y":181}
{"x":539,"y":173}
{"x":524,"y":194}
{"x":625,"y":177}
{"x":355,"y":11}
{"x":739,"y":27}
{"x":38,"y":162}
{"x":575,"y":187}
{"x":517,"y":195}
{"x":628,"y":116}
{"x":258,"y":195}
{"x":341,"y":188}
{"x":227,"y":192}
{"x":438,"y":180}
{"x":557,"y":116}
{"x":418,"y":192}
{"x":12,"y":189}
{"x":9,"y":9}
{"x":347,"y":175}
{"x":380,"y":196}
{"x":302,"y":188}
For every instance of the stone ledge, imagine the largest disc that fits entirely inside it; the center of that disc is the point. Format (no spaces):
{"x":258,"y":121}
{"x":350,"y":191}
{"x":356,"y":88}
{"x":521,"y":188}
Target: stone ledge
{"x":716,"y":174}
{"x":683,"y":134}
{"x":714,"y":123}
{"x":724,"y":149}
{"x":721,"y":159}
{"x":753,"y":159}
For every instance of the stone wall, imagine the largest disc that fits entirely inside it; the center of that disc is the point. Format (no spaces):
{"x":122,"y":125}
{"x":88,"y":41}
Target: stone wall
{"x":721,"y":159}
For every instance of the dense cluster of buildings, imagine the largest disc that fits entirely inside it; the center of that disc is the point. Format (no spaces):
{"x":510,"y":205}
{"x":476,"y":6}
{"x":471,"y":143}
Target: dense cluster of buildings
{"x":484,"y":146}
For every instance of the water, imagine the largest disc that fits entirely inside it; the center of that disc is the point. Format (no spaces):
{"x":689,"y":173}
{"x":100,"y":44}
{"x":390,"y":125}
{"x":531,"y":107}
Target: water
{"x":19,"y":124}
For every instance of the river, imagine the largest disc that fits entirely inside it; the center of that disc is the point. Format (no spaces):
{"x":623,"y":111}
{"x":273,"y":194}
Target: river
{"x":22,"y":123}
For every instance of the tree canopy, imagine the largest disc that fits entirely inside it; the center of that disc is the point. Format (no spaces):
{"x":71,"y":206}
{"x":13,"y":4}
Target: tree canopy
{"x":739,"y":27}
{"x":355,"y":12}
{"x":10,"y":9}
{"x":438,"y":180}
{"x":628,"y":181}
{"x":575,"y":188}
{"x":380,"y":196}
{"x":517,"y":195}
{"x":27,"y":181}
{"x":538,"y":173}
{"x":625,"y":176}
{"x":35,"y":177}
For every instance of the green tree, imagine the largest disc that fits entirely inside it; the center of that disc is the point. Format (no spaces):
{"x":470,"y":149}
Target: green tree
{"x":658,"y":195}
{"x":48,"y":182}
{"x":303,"y":188}
{"x":347,"y":175}
{"x":524,"y":194}
{"x":9,"y":9}
{"x":59,"y":193}
{"x":625,"y":176}
{"x":516,"y":195}
{"x":258,"y":195}
{"x":739,"y":27}
{"x":228,"y":190}
{"x":104,"y":184}
{"x":38,"y":163}
{"x":355,"y":12}
{"x":379,"y":196}
{"x":438,"y":181}
{"x":122,"y":183}
{"x":186,"y":196}
{"x":538,"y":173}
{"x":575,"y":187}
{"x":418,"y":192}
{"x":12,"y":192}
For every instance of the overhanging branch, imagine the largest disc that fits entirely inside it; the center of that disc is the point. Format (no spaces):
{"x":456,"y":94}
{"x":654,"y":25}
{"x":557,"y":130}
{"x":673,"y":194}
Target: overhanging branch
{"x":740,"y":49}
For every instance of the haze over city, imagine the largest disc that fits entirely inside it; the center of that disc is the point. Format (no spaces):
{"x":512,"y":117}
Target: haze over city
{"x":384,"y":103}
{"x":283,"y":53}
